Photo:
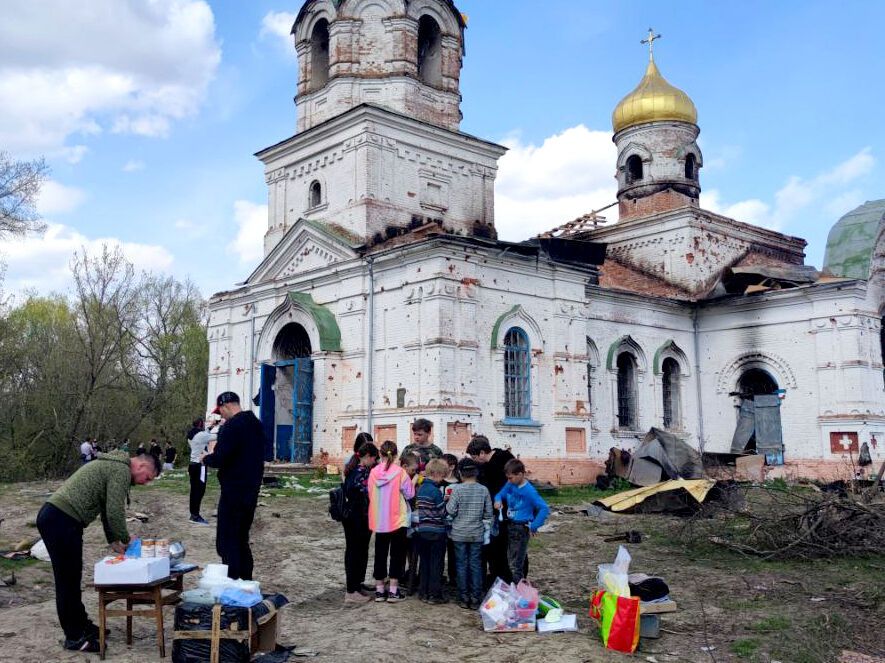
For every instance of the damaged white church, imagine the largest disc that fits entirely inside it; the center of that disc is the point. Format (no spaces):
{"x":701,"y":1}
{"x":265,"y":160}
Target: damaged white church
{"x":384,"y":294}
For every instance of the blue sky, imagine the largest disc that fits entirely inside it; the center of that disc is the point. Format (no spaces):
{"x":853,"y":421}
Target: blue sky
{"x":149,"y":114}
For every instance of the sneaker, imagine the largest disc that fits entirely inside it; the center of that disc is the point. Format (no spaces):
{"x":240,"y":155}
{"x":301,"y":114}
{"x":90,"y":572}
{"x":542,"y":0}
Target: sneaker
{"x":86,"y":643}
{"x":438,"y":600}
{"x":380,"y":597}
{"x":462,"y":603}
{"x":199,"y":520}
{"x":367,"y":588}
{"x":355,"y":597}
{"x":395,"y":597}
{"x":474,"y":604}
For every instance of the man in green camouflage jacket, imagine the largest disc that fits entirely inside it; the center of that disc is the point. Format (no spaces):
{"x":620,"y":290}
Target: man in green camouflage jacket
{"x":97,"y":489}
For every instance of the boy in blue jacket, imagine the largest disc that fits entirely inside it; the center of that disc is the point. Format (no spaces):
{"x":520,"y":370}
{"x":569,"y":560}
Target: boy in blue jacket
{"x":526,"y":511}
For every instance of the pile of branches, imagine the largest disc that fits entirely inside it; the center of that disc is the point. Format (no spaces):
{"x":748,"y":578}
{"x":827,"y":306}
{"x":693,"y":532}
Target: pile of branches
{"x":796,"y":522}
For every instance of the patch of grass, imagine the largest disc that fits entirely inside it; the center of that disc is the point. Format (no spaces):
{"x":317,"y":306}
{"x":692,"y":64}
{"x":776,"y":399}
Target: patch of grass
{"x":15,"y":565}
{"x":771,"y":625}
{"x":745,"y":648}
{"x":567,"y":495}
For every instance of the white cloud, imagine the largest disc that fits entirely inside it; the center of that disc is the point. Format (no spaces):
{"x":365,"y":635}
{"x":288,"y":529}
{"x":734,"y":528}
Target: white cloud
{"x":278,"y":26}
{"x":133,"y":165}
{"x":541,"y":187}
{"x":68,"y":69}
{"x":58,"y":198}
{"x":43,"y":263}
{"x":799,"y":195}
{"x":252,"y":222}
{"x":190,"y":229}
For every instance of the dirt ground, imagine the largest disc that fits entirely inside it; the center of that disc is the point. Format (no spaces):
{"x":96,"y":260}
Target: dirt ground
{"x":730,"y":609}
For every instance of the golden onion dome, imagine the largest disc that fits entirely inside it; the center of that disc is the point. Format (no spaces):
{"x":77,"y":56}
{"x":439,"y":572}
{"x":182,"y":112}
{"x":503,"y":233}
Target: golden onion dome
{"x":653,"y":100}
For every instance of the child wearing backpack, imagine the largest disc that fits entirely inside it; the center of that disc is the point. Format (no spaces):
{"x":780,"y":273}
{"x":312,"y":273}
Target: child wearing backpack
{"x":356,"y":520}
{"x":389,"y":488}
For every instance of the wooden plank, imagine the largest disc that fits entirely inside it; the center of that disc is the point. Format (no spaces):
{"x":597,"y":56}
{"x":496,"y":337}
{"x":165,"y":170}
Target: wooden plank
{"x":657,"y":608}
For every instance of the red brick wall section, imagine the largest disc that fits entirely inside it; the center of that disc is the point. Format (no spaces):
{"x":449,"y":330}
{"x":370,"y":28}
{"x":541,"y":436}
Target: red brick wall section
{"x":458,"y":435}
{"x":348,"y":435}
{"x":663,"y":201}
{"x":384,"y":433}
{"x":575,"y":440}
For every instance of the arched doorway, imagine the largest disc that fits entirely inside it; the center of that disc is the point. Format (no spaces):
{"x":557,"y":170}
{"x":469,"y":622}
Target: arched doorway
{"x":759,"y":418}
{"x":287,"y":396}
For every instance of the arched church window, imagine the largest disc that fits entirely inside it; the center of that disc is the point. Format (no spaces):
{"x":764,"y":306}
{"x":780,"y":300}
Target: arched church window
{"x":316,"y":194}
{"x":319,"y":55}
{"x":691,"y":167}
{"x":517,"y":375}
{"x":672,"y":394}
{"x":634,"y":169}
{"x":627,"y":391}
{"x":429,"y":51}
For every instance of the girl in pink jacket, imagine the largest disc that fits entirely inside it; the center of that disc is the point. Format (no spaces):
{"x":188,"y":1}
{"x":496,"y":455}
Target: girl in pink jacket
{"x":389,"y":515}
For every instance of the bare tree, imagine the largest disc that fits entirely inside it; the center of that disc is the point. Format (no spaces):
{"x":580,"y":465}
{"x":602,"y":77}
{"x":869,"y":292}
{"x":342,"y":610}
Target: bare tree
{"x":20,"y":183}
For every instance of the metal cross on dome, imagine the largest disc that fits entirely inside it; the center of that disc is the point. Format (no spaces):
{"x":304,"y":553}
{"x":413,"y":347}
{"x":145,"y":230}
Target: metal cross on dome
{"x":650,"y":40}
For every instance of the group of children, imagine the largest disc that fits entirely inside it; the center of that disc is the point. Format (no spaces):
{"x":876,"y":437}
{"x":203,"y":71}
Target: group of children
{"x":434,"y":504}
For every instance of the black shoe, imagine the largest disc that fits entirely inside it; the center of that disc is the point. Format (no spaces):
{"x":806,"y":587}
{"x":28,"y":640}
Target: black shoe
{"x":438,"y":600}
{"x":367,"y":588}
{"x":464,"y":604}
{"x":86,"y":643}
{"x":380,"y":597}
{"x":395,"y":597}
{"x":474,"y":605}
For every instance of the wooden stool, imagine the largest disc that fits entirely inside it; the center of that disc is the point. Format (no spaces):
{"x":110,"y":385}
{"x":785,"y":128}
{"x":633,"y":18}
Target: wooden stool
{"x":150,"y":594}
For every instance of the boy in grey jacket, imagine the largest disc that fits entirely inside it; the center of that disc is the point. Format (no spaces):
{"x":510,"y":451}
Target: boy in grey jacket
{"x":470,"y":511}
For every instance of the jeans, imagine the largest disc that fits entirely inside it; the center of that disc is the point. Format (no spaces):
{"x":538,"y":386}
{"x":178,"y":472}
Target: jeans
{"x":517,"y":549}
{"x":63,"y":537}
{"x":431,"y":549}
{"x":232,"y":537}
{"x":356,"y":552}
{"x":468,"y":561}
{"x":198,"y":488}
{"x":395,"y":543}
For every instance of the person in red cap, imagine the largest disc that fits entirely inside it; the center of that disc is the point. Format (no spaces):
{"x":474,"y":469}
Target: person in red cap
{"x":238,"y":454}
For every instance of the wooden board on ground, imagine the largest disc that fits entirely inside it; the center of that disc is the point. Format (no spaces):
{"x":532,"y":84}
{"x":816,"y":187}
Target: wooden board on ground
{"x":657,"y":608}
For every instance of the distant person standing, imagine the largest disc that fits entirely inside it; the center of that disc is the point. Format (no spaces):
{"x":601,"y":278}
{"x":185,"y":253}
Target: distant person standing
{"x":86,"y":451}
{"x":141,"y":451}
{"x":170,"y":454}
{"x":100,"y":488}
{"x":239,"y":456}
{"x":198,"y":438}
{"x":156,"y":450}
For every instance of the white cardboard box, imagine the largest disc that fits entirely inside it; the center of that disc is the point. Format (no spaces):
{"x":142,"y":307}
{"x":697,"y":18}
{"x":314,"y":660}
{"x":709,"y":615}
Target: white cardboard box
{"x":139,"y":571}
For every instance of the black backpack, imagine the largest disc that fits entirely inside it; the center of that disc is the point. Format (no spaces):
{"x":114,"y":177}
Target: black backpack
{"x":339,"y":509}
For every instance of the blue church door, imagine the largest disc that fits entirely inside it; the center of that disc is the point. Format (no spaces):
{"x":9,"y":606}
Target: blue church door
{"x":286,"y":410}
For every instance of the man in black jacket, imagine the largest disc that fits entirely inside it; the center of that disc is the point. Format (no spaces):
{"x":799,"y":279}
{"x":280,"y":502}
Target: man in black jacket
{"x":238,"y":454}
{"x":491,"y":475}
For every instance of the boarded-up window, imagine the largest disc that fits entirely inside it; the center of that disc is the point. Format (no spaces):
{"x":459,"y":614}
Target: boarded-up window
{"x":384,"y":433}
{"x":843,"y":443}
{"x":348,"y":436}
{"x":457,"y":437}
{"x":575,"y":440}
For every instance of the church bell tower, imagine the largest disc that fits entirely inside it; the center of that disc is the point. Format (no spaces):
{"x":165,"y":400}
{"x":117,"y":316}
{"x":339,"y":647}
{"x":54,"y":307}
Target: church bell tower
{"x":656,"y":134}
{"x":378,"y":150}
{"x":401,"y":54}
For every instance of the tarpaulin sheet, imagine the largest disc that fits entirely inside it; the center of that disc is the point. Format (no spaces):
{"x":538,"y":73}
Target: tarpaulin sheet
{"x":629,"y":500}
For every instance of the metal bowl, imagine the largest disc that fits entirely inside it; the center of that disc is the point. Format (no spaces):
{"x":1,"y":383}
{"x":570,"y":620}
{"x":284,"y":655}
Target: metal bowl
{"x":176,"y":552}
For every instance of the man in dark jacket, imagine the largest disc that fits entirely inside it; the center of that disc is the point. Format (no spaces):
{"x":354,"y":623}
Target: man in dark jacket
{"x":99,"y":488}
{"x":491,"y":475}
{"x":238,"y":454}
